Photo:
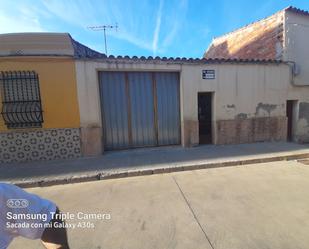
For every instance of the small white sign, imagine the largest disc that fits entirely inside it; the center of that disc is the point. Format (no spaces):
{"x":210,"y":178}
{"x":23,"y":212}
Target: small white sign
{"x":208,"y":74}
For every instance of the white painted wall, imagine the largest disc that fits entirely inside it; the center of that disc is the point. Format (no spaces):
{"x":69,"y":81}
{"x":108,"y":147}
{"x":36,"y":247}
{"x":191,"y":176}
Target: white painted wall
{"x":38,"y":43}
{"x":296,"y":44}
{"x":250,"y":90}
{"x":296,"y":40}
{"x":238,"y":89}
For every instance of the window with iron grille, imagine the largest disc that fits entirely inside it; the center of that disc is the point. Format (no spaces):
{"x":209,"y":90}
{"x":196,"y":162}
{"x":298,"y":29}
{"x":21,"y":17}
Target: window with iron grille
{"x":21,"y":100}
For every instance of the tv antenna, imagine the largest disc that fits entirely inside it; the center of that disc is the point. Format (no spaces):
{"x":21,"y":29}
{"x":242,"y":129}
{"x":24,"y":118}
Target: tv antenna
{"x":104,"y":28}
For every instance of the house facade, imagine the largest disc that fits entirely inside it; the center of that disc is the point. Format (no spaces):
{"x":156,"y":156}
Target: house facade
{"x":283,"y":36}
{"x":140,"y":102}
{"x":61,"y":99}
{"x":39,"y":105}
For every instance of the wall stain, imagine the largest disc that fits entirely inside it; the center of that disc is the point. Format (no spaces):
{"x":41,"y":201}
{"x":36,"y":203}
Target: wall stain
{"x":241,"y":116}
{"x":304,"y":111}
{"x":230,"y":106}
{"x":143,"y":227}
{"x":265,"y":107}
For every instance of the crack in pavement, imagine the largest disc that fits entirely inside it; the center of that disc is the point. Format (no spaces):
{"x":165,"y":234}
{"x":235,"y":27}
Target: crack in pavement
{"x":194,"y":215}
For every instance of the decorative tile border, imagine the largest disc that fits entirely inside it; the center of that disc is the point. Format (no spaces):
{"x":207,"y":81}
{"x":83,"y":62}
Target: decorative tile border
{"x":50,"y":144}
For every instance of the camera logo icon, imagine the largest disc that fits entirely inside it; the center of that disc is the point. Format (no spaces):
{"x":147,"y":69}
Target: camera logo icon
{"x":17,"y":203}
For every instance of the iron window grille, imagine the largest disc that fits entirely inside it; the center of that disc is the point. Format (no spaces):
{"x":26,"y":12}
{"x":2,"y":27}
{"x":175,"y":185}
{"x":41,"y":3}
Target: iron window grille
{"x":21,"y":100}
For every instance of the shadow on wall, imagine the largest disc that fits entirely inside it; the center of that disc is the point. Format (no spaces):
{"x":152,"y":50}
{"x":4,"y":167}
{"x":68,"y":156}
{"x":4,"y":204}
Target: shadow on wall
{"x":267,"y":45}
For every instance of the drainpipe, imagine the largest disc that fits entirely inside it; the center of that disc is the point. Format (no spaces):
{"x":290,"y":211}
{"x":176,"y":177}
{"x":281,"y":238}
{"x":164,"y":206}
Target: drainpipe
{"x":294,"y":70}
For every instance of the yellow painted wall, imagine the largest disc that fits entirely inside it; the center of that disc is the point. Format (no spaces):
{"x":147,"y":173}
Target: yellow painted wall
{"x":57,"y":81}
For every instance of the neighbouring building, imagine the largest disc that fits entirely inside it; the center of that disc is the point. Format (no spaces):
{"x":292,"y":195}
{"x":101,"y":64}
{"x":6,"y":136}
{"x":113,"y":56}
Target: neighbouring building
{"x":283,"y":36}
{"x":60,"y":99}
{"x":38,"y":101}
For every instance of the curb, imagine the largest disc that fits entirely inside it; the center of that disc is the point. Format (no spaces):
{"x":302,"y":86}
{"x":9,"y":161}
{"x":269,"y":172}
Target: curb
{"x":163,"y":170}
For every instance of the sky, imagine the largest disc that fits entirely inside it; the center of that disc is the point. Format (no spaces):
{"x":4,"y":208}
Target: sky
{"x":171,"y":28}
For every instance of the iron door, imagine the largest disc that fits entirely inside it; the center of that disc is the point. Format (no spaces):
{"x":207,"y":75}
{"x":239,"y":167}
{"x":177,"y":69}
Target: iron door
{"x":114,"y":106}
{"x":168,"y":114}
{"x":139,"y":109}
{"x":142,"y":110}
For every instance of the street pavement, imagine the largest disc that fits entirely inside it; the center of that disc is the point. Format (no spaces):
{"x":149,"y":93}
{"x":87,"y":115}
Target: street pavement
{"x":147,"y":161}
{"x":257,"y":206}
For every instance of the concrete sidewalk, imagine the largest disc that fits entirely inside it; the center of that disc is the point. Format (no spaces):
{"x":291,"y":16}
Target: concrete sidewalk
{"x":147,"y":161}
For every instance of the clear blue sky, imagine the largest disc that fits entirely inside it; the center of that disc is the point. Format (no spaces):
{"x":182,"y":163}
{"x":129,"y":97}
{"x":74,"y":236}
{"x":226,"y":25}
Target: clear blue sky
{"x":178,"y":28}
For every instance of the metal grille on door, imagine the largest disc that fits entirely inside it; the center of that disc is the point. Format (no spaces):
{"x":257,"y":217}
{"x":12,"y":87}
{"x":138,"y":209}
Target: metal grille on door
{"x":139,"y":109}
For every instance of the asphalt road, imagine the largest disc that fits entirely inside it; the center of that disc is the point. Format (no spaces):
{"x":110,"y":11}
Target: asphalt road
{"x":251,"y":207}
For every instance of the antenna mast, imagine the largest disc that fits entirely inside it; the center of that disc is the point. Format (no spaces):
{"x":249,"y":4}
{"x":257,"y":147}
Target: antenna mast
{"x":104,"y":27}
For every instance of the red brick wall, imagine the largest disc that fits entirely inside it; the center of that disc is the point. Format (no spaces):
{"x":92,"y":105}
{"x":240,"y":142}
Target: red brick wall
{"x":259,"y":40}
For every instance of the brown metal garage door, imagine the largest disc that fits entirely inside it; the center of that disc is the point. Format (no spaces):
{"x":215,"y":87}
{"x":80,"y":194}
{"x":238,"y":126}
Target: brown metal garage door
{"x":139,"y":109}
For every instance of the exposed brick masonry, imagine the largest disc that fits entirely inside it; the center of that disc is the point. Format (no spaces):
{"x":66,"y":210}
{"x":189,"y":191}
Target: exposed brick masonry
{"x":251,"y":130}
{"x":259,"y":40}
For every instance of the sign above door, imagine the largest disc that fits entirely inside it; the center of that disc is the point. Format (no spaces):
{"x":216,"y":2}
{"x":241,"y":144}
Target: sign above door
{"x":208,"y":74}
